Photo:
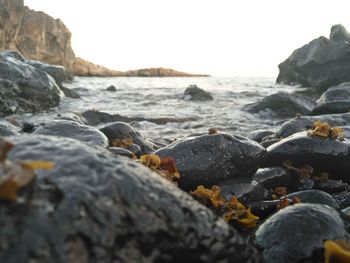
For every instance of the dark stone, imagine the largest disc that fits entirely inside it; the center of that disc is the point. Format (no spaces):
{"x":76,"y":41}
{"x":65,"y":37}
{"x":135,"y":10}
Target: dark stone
{"x":101,"y":208}
{"x":59,"y":73}
{"x":259,"y":135}
{"x":268,"y":142}
{"x":282,"y":104}
{"x":123,"y":131}
{"x":295,"y":232}
{"x":315,"y":197}
{"x":74,"y":130}
{"x":36,"y":87}
{"x":321,"y":63}
{"x":112,"y":88}
{"x":332,"y":186}
{"x":193,"y":93}
{"x":9,"y":98}
{"x":305,"y":184}
{"x":209,"y":159}
{"x":245,"y":192}
{"x":264,"y":209}
{"x":324,"y":155}
{"x":70,"y":93}
{"x":343,"y":199}
{"x":273,"y":177}
{"x":7,"y":129}
{"x":121,"y":151}
{"x":306,"y":122}
{"x":335,"y":100}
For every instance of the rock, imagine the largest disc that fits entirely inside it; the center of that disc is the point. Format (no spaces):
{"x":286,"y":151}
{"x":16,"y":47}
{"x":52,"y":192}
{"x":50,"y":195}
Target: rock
{"x":10,"y":98}
{"x":304,"y":123}
{"x":123,"y":131}
{"x":193,"y":93}
{"x":273,"y":177}
{"x":36,"y":87}
{"x":332,"y":186}
{"x":259,"y":135}
{"x":121,"y":151}
{"x":298,"y":231}
{"x":59,"y":73}
{"x":74,"y":130}
{"x":70,"y":93}
{"x":159,"y":72}
{"x":324,"y":155}
{"x":245,"y":192}
{"x":315,"y":197}
{"x":321,"y":63}
{"x":112,"y":88}
{"x":335,"y":100}
{"x":210,"y":159}
{"x":343,"y":199}
{"x":282,"y":104}
{"x":7,"y":129}
{"x":93,"y":207}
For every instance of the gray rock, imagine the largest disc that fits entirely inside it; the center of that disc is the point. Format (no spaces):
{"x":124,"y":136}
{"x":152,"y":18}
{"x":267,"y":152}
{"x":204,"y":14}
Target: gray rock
{"x":304,"y":123}
{"x":74,"y":130}
{"x":335,"y":100}
{"x":296,"y":232}
{"x":321,"y":63}
{"x":123,"y":131}
{"x":7,"y":129}
{"x":259,"y":135}
{"x":36,"y":87}
{"x":93,"y":207}
{"x":210,"y":159}
{"x":315,"y":197}
{"x":273,"y":177}
{"x":194,"y":93}
{"x":282,"y":104}
{"x":111,"y":88}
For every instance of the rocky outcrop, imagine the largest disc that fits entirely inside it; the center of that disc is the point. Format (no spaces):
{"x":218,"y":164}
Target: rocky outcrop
{"x":194,"y":93}
{"x":38,"y":36}
{"x":321,"y":63}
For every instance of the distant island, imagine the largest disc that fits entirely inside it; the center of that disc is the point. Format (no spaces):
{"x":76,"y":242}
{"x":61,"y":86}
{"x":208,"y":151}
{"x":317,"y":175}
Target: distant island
{"x":39,"y":36}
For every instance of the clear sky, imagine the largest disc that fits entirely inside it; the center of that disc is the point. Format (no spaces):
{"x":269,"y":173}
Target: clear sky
{"x":217,"y":37}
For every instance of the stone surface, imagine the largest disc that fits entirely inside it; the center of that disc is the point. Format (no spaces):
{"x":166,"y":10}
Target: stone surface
{"x":7,"y":129}
{"x":273,"y":177}
{"x":194,"y":93}
{"x":336,"y":99}
{"x":210,"y":159}
{"x":111,"y":88}
{"x":282,"y":104}
{"x":315,"y":197}
{"x":321,"y":63}
{"x":93,"y":207}
{"x":74,"y":130}
{"x":298,"y":231}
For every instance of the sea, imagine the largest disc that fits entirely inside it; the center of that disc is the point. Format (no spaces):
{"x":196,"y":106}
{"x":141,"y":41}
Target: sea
{"x":152,"y":98}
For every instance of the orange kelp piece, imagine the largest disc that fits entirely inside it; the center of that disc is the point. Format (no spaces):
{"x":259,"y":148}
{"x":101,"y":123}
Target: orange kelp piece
{"x":281,"y":191}
{"x":5,"y":147}
{"x":237,"y":211}
{"x":324,"y":130}
{"x":213,"y":194}
{"x":336,"y":251}
{"x":304,"y":172}
{"x":125,"y":143}
{"x":168,"y":164}
{"x":150,"y":160}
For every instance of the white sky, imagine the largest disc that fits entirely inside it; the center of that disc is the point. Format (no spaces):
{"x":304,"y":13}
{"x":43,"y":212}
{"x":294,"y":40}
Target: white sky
{"x":221,"y":38}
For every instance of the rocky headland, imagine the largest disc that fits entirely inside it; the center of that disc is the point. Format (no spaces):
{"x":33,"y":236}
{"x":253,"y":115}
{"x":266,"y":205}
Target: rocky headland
{"x":40,"y":37}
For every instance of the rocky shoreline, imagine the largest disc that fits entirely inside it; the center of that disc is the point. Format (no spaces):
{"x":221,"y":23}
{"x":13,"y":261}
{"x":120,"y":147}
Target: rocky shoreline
{"x":74,"y":192}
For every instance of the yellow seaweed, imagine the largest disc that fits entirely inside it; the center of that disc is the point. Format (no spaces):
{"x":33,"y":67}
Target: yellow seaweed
{"x":336,"y":251}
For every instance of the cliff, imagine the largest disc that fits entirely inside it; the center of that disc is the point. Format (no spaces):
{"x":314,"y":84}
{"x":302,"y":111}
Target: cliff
{"x":38,"y":36}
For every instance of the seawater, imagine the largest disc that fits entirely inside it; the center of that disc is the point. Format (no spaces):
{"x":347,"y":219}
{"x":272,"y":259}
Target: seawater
{"x":158,"y":98}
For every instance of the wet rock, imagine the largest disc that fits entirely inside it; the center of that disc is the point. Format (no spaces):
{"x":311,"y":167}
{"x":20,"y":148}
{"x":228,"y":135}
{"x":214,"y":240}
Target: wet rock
{"x":193,"y":93}
{"x":324,"y":155}
{"x":332,"y":186}
{"x":112,"y":88}
{"x":273,"y":177}
{"x":245,"y":192}
{"x":121,"y":151}
{"x":321,"y":63}
{"x":306,"y":122}
{"x":335,"y":100}
{"x":123,"y":131}
{"x":305,"y":184}
{"x":343,"y":199}
{"x":7,"y":129}
{"x":70,"y":93}
{"x":296,"y":232}
{"x":9,"y":98}
{"x":36,"y":87}
{"x":100,"y":208}
{"x":259,"y":135}
{"x":282,"y":104}
{"x":264,"y":209}
{"x":59,"y":73}
{"x":266,"y":142}
{"x":315,"y":197}
{"x":74,"y":130}
{"x":209,"y":159}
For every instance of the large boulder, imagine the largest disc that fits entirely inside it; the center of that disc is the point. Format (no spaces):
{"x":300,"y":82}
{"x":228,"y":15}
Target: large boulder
{"x":297,"y":233}
{"x":282,"y":104}
{"x":194,"y":93}
{"x":321,"y":63}
{"x":335,"y":100}
{"x":324,"y":155}
{"x":93,"y":207}
{"x":210,"y":159}
{"x":74,"y":130}
{"x":36,"y":87}
{"x":7,"y":129}
{"x":304,"y":123}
